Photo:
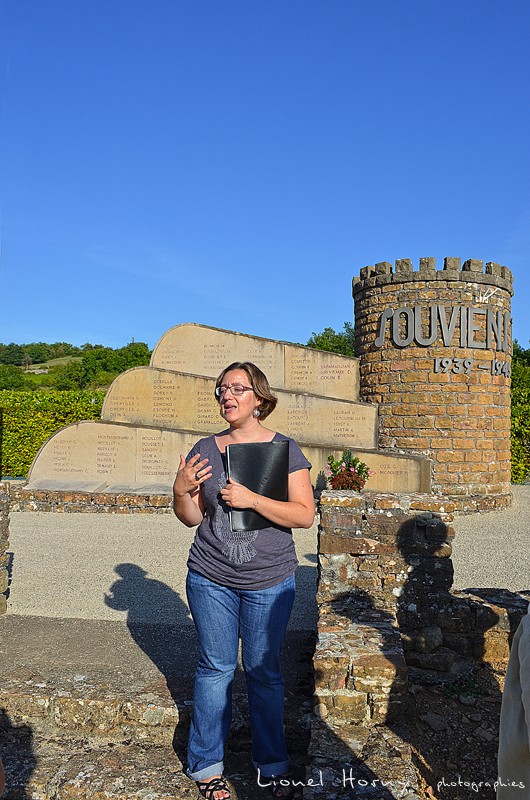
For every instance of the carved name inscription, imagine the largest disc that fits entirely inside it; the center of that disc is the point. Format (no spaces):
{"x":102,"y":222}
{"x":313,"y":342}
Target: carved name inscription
{"x":108,"y":451}
{"x":155,"y":458}
{"x":321,"y":373}
{"x":64,"y":457}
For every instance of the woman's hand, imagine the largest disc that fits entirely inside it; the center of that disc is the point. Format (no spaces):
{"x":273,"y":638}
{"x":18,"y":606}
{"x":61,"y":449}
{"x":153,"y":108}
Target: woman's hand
{"x":187,"y":500}
{"x":190,"y":475}
{"x":236,"y":495}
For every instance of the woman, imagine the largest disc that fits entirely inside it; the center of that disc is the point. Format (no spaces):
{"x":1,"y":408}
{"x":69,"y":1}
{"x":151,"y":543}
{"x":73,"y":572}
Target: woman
{"x":240,"y":585}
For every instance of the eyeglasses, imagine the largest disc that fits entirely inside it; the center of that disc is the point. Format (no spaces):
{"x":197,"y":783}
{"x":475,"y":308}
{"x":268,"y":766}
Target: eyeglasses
{"x":236,"y":390}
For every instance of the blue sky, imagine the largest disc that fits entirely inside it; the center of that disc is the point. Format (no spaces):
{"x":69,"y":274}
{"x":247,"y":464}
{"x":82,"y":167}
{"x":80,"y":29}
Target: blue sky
{"x":236,"y":162}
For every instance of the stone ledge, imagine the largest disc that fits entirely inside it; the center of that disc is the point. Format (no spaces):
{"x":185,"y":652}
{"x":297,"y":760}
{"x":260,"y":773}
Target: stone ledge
{"x":38,"y":766}
{"x":89,"y":502}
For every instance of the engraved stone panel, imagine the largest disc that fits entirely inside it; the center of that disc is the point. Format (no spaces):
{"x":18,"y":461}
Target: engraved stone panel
{"x":87,"y":451}
{"x":166,"y":400}
{"x":93,"y":454}
{"x":111,"y":458}
{"x":186,"y":402}
{"x":389,"y":473}
{"x":200,"y":350}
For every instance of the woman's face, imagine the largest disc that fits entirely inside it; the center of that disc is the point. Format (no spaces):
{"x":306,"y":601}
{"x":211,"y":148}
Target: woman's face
{"x":238,"y":409}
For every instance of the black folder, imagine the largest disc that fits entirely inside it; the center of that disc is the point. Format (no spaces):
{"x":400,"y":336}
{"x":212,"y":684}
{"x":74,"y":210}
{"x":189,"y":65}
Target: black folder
{"x":262,"y":467}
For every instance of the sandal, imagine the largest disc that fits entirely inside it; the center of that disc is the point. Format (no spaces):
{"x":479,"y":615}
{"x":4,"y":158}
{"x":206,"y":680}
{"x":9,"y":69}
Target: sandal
{"x":282,"y":790}
{"x":207,"y":788}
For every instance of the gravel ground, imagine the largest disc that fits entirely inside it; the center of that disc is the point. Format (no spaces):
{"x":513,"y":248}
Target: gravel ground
{"x":64,"y":565}
{"x":492,"y":550}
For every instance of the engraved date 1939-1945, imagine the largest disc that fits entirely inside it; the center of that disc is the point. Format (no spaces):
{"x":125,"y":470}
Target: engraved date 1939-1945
{"x":465,"y":365}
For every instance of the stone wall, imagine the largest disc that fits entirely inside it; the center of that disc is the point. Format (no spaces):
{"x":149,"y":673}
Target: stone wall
{"x":386,"y":613}
{"x":4,"y":544}
{"x":384,"y":566}
{"x":435,"y":355}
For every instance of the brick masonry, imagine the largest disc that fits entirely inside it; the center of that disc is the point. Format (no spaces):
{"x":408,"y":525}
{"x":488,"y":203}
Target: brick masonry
{"x":457,"y":411}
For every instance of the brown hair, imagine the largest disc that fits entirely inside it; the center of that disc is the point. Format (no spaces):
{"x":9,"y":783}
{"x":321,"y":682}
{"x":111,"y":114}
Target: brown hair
{"x":258,"y":381}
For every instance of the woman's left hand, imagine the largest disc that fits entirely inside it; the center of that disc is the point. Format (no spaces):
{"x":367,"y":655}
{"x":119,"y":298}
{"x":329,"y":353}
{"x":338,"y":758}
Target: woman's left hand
{"x":236,"y":495}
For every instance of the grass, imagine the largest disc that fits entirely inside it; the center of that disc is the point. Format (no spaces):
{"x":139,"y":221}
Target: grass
{"x":53,"y":362}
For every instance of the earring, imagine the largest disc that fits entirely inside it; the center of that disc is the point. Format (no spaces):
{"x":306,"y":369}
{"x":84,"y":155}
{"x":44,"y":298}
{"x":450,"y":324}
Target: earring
{"x":256,"y":412}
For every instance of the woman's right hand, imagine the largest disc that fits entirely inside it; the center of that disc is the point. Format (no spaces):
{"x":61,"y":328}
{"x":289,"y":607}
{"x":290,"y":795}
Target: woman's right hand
{"x":190,"y":475}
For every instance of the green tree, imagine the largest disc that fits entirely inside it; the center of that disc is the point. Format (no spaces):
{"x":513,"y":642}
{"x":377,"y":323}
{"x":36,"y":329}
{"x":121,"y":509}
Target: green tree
{"x":11,"y":354}
{"x":520,"y":355}
{"x":99,"y":366}
{"x":61,"y":349}
{"x":37,"y":352}
{"x":67,"y":376}
{"x":335,"y":342}
{"x":11,"y":377}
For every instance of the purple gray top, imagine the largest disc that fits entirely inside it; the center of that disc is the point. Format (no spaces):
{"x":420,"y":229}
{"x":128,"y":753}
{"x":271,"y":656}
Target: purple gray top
{"x":240,"y":559}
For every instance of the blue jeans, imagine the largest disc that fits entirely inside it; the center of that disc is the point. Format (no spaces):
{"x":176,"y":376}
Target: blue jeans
{"x":221,"y":616}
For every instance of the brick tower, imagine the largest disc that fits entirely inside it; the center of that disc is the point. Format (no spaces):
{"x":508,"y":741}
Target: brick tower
{"x":435,"y":354}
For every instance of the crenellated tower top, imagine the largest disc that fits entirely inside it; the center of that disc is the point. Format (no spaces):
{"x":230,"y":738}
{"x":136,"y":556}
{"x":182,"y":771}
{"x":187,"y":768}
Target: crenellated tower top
{"x":471,"y":271}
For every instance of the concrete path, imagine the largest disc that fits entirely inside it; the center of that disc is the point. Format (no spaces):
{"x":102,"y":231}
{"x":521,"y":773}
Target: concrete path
{"x":109,"y":566}
{"x":492,"y":550}
{"x":67,"y":565}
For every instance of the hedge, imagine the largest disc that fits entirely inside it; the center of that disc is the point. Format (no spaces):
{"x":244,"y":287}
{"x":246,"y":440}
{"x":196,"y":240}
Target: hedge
{"x":31,"y":417}
{"x":520,"y":425}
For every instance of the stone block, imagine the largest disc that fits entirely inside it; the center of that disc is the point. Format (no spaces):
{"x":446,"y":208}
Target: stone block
{"x":473,"y":265}
{"x":333,"y":516}
{"x":451,"y":263}
{"x":331,"y":671}
{"x":366,"y":273}
{"x":492,"y":268}
{"x":332,"y":543}
{"x":352,"y":706}
{"x":440,"y":661}
{"x":429,"y":639}
{"x":403,"y":267}
{"x":427,"y":265}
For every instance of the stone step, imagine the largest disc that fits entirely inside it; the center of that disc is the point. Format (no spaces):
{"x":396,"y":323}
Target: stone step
{"x":87,"y":711}
{"x":113,"y":728}
{"x":347,"y":761}
{"x":351,"y":760}
{"x":103,"y":704}
{"x":44,"y":768}
{"x":121,"y":707}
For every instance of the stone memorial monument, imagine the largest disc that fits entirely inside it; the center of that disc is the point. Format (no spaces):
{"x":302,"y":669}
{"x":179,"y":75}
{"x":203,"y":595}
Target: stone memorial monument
{"x":152,"y":414}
